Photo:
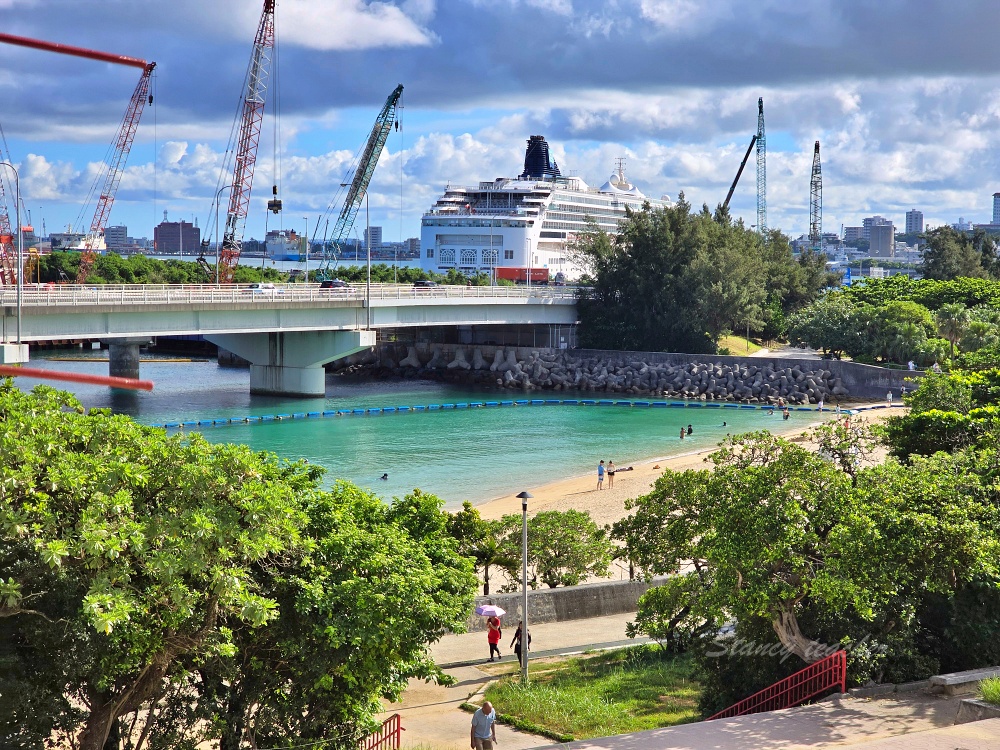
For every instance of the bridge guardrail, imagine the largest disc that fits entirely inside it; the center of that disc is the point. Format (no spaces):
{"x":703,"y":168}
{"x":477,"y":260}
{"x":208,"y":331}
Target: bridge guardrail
{"x":131,"y":294}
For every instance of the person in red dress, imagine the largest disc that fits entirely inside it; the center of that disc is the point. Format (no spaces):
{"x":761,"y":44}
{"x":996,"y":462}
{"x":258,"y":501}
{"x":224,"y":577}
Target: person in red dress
{"x":493,"y":636}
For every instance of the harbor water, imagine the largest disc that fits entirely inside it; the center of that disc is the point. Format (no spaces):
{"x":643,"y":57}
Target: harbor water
{"x":458,"y":454}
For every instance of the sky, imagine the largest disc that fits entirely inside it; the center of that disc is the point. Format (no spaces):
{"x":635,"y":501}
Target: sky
{"x":903,"y":95}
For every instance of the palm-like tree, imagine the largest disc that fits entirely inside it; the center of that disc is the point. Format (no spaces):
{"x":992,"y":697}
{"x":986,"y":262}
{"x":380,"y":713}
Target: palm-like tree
{"x":978,"y":334}
{"x":952,"y":320}
{"x":908,"y":339}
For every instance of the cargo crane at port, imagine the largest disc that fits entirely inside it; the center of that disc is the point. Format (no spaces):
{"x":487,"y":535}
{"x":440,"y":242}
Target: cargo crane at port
{"x":359,"y":184}
{"x":247,"y":135}
{"x":8,"y":242}
{"x":816,"y":203}
{"x":761,"y":171}
{"x":109,"y":179}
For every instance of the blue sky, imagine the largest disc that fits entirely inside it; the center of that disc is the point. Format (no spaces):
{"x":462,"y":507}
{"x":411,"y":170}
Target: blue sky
{"x":903,"y":96}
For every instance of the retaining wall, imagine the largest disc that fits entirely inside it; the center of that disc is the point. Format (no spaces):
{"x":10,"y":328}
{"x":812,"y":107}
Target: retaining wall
{"x":565,"y":603}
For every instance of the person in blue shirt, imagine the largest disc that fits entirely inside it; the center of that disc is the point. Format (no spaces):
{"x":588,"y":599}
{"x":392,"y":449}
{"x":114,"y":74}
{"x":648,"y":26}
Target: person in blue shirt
{"x":484,"y":729}
{"x":600,"y":475}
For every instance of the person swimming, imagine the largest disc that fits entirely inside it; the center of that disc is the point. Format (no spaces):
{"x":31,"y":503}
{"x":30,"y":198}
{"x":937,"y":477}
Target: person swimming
{"x":384,"y":477}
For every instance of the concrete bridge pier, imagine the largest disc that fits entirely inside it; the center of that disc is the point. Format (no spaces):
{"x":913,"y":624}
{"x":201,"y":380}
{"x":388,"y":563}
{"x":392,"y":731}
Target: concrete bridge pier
{"x":123,"y":356}
{"x":291,"y":364}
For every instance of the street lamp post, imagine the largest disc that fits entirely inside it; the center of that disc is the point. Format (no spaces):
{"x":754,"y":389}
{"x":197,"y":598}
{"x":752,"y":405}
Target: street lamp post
{"x":524,"y":584}
{"x":20,"y":242}
{"x":368,"y":247}
{"x":218,"y":198}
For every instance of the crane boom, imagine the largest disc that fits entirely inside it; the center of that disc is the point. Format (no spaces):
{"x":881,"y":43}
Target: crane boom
{"x":246,"y":149}
{"x":8,"y":249}
{"x":362,"y":178}
{"x":123,"y":144}
{"x":732,"y":188}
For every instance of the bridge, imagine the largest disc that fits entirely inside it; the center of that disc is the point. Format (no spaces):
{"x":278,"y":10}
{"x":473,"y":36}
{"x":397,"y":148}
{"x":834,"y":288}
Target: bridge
{"x":286,"y":331}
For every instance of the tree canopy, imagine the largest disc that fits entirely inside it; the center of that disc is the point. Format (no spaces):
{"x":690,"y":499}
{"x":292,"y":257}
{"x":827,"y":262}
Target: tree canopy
{"x":211,"y":590}
{"x":674,"y":280}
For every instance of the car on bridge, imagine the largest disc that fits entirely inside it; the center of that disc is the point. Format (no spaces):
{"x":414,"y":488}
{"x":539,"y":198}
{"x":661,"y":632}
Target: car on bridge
{"x":424,"y":284}
{"x":262,"y":288}
{"x":334,"y":284}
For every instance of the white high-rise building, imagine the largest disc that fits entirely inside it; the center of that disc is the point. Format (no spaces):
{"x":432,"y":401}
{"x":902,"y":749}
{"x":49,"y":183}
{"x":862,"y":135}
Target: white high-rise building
{"x":373,"y":238}
{"x":883,"y":241}
{"x":915,"y":219}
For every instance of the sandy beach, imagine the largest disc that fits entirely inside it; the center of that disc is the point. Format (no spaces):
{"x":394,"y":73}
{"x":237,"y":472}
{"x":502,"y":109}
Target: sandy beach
{"x":608,"y":505}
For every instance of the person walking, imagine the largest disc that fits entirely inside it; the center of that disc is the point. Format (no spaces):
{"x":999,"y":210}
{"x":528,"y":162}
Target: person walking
{"x":484,"y":728}
{"x":888,"y":398}
{"x":600,"y":475}
{"x":493,"y":636}
{"x":611,"y":474}
{"x":516,"y":643}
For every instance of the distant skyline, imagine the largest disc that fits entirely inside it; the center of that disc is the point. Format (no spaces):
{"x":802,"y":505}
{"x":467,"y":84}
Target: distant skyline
{"x":902,"y":96}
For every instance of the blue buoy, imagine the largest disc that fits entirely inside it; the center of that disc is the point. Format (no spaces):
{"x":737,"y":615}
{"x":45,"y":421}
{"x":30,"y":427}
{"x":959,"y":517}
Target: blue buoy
{"x":330,"y":413}
{"x":314,"y":414}
{"x":641,"y":403}
{"x":747,"y":406}
{"x":713,"y":406}
{"x":493,"y":403}
{"x":220,"y":421}
{"x":388,"y":409}
{"x":604,"y":402}
{"x":476,"y":405}
{"x":375,"y":411}
{"x":587,"y":402}
{"x":730,"y":406}
{"x":434,"y":406}
{"x":623,"y":403}
{"x":170,"y":425}
{"x":267,"y":418}
{"x":282,"y":416}
{"x":447,"y":406}
{"x":299,"y":415}
{"x":537,"y":402}
{"x":571,"y":402}
{"x":358,"y":411}
{"x":461,"y":406}
{"x":403,"y":408}
{"x":506,"y":403}
{"x":552,"y":401}
{"x":696,"y":404}
{"x":661,"y":404}
{"x":677,"y":404}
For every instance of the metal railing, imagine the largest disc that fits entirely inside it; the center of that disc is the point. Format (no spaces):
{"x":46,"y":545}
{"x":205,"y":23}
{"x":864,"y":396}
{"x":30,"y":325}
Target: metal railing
{"x":386,"y":737}
{"x":816,"y":679}
{"x":185,"y":294}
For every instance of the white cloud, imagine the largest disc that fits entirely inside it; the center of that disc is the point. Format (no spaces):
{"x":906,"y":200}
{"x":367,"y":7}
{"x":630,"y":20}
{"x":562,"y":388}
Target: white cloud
{"x":354,"y":24}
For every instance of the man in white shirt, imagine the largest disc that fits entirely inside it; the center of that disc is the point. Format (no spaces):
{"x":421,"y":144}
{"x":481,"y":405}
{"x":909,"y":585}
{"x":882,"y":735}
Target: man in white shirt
{"x":484,"y":729}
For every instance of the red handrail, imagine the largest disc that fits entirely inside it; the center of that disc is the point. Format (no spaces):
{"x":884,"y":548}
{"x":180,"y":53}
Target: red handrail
{"x":386,"y":737}
{"x":795,"y":689}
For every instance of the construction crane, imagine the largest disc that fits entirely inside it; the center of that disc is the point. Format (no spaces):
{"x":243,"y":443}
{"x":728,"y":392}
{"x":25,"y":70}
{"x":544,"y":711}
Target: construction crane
{"x":8,"y":247}
{"x":732,"y":188}
{"x":362,"y":178}
{"x":816,"y":203}
{"x":122,"y":143}
{"x":761,"y":170}
{"x":248,"y":136}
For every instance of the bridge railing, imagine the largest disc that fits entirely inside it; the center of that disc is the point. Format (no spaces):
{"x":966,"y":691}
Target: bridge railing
{"x":156,"y":294}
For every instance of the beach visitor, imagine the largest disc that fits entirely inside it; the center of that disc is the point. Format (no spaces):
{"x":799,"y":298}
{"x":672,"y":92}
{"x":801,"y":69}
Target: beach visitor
{"x":611,"y":474}
{"x":682,"y":433}
{"x":690,"y":429}
{"x":820,"y":404}
{"x":910,"y":365}
{"x":516,"y":643}
{"x":888,"y":398}
{"x":723,"y":424}
{"x":493,"y":636}
{"x":600,"y":475}
{"x":936,"y":367}
{"x":784,"y":413}
{"x":384,"y":477}
{"x":484,"y":728}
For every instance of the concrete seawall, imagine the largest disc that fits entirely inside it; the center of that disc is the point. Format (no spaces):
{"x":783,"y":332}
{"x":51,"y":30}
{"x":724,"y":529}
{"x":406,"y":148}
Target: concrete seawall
{"x":565,"y":603}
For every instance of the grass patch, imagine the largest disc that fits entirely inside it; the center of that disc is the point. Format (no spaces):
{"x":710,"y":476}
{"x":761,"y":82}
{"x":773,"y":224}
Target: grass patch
{"x":737,"y":346}
{"x":989,"y":689}
{"x":627,"y":690}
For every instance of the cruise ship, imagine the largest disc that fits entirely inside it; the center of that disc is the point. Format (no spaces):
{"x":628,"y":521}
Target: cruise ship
{"x":520,"y":227}
{"x":284,"y":244}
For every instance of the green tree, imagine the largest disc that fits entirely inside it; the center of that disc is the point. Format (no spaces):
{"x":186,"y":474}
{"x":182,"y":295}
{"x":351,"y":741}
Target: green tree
{"x":952,"y":319}
{"x":485,"y":542}
{"x":950,"y":254}
{"x":978,"y":335}
{"x":776,"y":531}
{"x":130,"y":559}
{"x":565,"y":547}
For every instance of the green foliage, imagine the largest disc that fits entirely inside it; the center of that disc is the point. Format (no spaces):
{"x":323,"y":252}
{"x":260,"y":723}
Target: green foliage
{"x":989,"y":690}
{"x":209,"y":578}
{"x":565,"y":547}
{"x":669,"y":613}
{"x":673,"y":280}
{"x":941,"y":392}
{"x":486,"y":542}
{"x":951,"y":254}
{"x":931,"y":293}
{"x":627,"y":690}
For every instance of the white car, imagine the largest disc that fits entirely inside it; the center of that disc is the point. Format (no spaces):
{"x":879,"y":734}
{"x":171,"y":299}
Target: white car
{"x":261,"y":288}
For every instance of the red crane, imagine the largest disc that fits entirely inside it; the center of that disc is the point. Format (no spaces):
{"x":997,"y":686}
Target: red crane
{"x":123,"y":139}
{"x":252,"y":115}
{"x":8,"y":242}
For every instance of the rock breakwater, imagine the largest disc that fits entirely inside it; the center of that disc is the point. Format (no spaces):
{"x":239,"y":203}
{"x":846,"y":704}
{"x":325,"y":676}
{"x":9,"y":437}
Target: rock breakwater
{"x":621,"y":373}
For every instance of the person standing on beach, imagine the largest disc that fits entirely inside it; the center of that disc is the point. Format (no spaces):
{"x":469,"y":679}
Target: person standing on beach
{"x":611,"y":474}
{"x":484,"y":728}
{"x":600,"y":475}
{"x":888,"y":398}
{"x":493,"y":636}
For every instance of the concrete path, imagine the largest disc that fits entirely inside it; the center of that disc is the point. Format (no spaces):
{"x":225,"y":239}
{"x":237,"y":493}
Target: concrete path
{"x":899,"y":723}
{"x":430,"y":713}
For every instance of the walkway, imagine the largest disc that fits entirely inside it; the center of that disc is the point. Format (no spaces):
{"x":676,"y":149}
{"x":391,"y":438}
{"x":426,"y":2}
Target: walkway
{"x":431,"y":714}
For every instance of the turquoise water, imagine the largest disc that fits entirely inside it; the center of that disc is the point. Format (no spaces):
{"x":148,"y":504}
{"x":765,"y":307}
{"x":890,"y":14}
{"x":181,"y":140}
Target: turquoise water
{"x":466,"y":454}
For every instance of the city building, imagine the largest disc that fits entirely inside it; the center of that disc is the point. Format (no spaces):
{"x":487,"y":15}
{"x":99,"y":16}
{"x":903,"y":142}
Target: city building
{"x":915,"y":219}
{"x":373,"y":238}
{"x":996,"y":209}
{"x":962,"y":225}
{"x":853,"y":234}
{"x":882,"y":241}
{"x":176,"y":237}
{"x":872,"y":221}
{"x":521,"y":227}
{"x":413,"y":246}
{"x":115,"y":238}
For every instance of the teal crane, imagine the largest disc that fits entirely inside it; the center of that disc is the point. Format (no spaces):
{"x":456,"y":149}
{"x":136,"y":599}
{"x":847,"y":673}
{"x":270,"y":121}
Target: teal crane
{"x":359,"y":184}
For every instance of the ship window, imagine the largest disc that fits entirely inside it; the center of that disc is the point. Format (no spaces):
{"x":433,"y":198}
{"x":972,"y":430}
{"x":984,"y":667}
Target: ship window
{"x":468,"y":257}
{"x":508,"y":255}
{"x":489,"y":257}
{"x":430,"y":252}
{"x":447,"y":255}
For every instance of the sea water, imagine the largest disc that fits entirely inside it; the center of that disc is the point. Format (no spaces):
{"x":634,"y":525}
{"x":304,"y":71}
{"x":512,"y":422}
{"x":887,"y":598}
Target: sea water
{"x":458,"y":454}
